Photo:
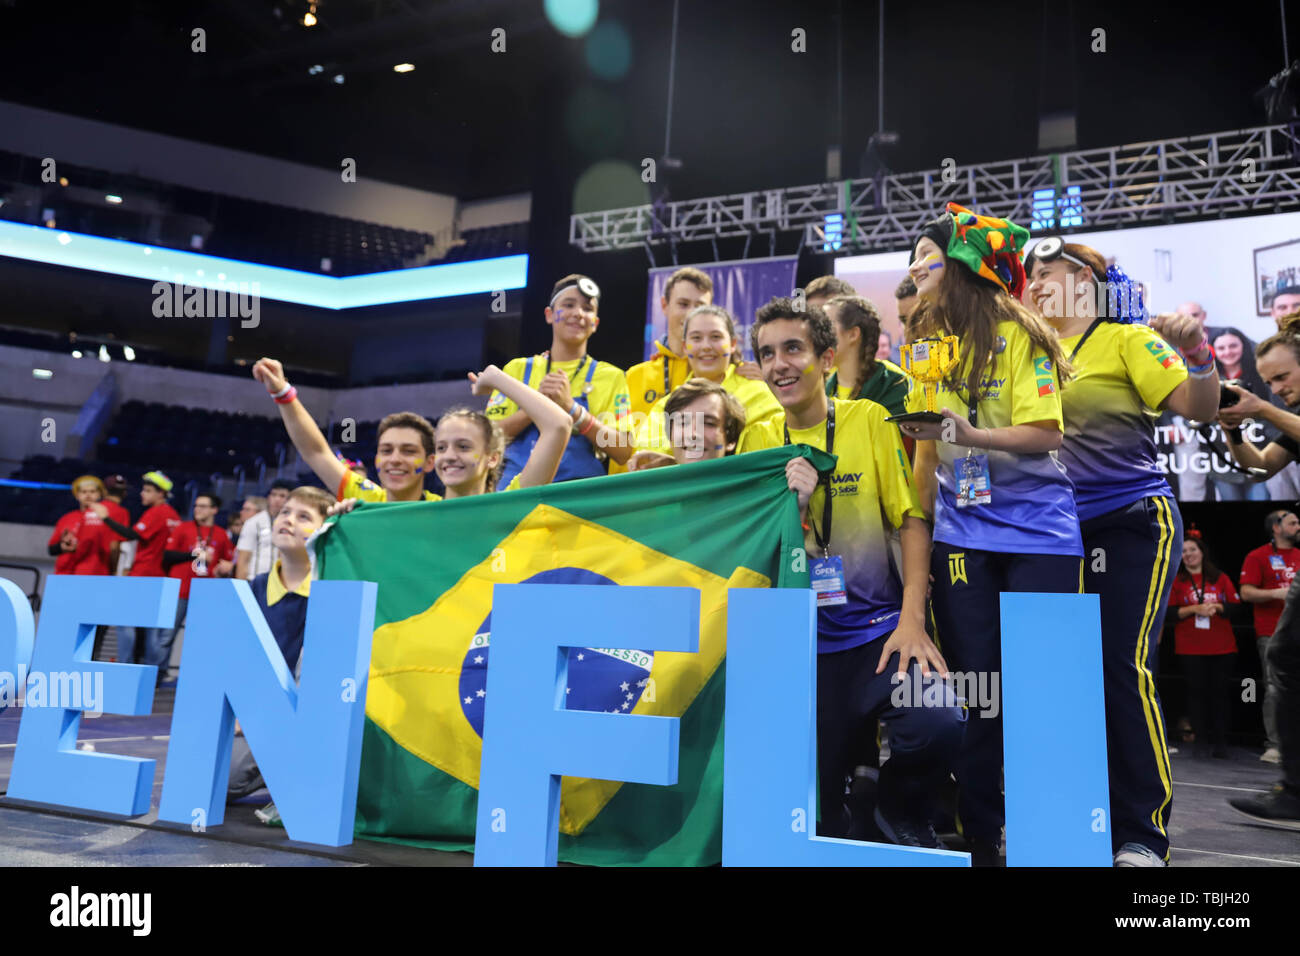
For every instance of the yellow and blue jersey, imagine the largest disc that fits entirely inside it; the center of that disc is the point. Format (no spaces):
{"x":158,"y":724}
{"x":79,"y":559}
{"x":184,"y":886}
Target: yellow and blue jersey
{"x":1031,"y":510}
{"x":1123,"y":374}
{"x":872,"y":490}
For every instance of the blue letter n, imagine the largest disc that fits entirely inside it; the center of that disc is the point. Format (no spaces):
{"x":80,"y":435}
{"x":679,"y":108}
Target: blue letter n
{"x":306,"y":739}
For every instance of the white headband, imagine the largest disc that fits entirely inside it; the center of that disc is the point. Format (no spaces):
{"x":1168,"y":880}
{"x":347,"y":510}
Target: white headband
{"x":583,"y":285}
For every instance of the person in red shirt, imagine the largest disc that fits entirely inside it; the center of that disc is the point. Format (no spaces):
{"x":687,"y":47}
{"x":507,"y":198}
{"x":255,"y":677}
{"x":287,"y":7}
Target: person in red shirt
{"x":1203,"y":638}
{"x":1266,"y":574}
{"x":151,"y":532}
{"x":115,"y":489}
{"x":196,"y":549}
{"x":80,"y":541}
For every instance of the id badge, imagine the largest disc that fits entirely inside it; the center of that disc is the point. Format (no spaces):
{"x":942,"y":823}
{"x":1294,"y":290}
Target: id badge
{"x":1202,"y":622}
{"x":1277,"y":562}
{"x":973,"y":484}
{"x":827,"y":575}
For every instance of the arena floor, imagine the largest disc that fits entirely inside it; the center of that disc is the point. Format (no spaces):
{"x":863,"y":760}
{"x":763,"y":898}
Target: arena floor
{"x":1205,"y":831}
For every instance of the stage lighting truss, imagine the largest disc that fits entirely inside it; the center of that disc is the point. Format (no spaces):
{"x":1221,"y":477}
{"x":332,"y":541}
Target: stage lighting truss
{"x":1241,"y":172}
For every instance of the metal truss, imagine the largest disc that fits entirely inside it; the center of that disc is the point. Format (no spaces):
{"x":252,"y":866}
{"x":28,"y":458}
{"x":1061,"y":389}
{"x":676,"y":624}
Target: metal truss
{"x":1243,"y":172}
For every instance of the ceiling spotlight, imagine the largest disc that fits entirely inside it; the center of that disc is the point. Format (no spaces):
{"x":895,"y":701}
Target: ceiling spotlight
{"x":103,"y":354}
{"x":129,"y":353}
{"x":313,"y":70}
{"x":404,"y":68}
{"x":338,"y":78}
{"x":76,"y":353}
{"x":42,"y":373}
{"x":309,"y":18}
{"x":63,"y":180}
{"x":115,"y":200}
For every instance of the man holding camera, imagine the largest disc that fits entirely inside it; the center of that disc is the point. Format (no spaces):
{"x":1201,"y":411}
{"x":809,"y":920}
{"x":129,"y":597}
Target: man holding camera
{"x":1278,"y":360}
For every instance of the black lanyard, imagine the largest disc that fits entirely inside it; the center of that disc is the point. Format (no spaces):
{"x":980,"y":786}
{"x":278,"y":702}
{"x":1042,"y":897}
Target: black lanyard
{"x":1092,"y":328}
{"x":667,"y":376}
{"x":1191,"y":579}
{"x":972,"y":411}
{"x":823,"y":536}
{"x":574,"y":377}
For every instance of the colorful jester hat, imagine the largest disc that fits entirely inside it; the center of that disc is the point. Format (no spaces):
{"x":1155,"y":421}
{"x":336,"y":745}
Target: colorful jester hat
{"x":989,"y":247}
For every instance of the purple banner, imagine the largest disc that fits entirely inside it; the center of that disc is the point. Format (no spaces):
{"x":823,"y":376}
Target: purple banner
{"x":740,"y":287}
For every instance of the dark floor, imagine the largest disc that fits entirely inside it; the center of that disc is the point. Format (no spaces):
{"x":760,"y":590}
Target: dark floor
{"x":1204,"y":830}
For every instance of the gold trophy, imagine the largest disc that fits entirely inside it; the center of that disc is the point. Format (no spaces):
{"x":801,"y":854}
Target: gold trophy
{"x":928,"y":361}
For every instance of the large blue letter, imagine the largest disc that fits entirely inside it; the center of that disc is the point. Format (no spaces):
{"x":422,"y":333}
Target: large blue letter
{"x":307,"y":740}
{"x":530,"y":740}
{"x":16,"y":638}
{"x":47,"y":765}
{"x":1054,"y":731}
{"x":769,"y":813}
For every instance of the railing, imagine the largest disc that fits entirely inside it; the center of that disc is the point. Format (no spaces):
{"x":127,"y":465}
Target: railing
{"x":34,"y":595}
{"x":1242,"y":172}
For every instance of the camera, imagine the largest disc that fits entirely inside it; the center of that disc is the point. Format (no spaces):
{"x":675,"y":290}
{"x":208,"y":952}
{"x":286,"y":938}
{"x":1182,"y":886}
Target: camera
{"x":1227,"y":397}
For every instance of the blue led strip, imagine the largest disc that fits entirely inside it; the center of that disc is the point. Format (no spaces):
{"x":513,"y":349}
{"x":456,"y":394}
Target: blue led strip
{"x":158,"y":264}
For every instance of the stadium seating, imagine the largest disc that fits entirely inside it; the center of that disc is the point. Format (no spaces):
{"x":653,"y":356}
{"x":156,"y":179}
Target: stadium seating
{"x":233,"y":227}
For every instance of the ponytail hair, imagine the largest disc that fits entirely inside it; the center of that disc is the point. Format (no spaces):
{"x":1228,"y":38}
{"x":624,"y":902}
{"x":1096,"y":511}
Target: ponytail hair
{"x":493,"y":437}
{"x":856,"y":312}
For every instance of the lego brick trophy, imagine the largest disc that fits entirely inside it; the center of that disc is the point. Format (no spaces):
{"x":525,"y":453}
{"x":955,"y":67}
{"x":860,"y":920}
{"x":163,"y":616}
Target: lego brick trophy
{"x":928,"y":361}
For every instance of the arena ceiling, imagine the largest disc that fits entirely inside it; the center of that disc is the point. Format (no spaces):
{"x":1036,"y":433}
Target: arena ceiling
{"x":961,"y":80}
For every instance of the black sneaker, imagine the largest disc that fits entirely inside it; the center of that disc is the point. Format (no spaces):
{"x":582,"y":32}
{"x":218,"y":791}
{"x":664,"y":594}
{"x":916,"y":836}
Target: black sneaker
{"x":861,"y":802}
{"x":905,"y":831}
{"x":985,"y":853}
{"x":1278,"y":808}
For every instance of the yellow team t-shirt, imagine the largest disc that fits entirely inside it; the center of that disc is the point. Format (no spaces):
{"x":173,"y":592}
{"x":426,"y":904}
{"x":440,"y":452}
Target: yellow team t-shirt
{"x":1122,"y":376}
{"x":607,"y":398}
{"x":759,"y":402}
{"x":645,"y":380}
{"x":872,"y":491}
{"x":354,"y":486}
{"x":1031,"y":509}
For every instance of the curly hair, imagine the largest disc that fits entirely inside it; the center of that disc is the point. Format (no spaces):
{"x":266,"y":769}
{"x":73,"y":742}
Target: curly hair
{"x":1288,"y":334}
{"x":819,"y":326}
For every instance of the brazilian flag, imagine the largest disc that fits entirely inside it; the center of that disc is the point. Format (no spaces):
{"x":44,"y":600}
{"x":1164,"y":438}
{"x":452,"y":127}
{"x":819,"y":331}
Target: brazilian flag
{"x":709,"y":525}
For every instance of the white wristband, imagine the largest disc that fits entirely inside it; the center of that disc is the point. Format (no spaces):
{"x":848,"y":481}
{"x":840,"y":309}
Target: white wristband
{"x":282,"y":392}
